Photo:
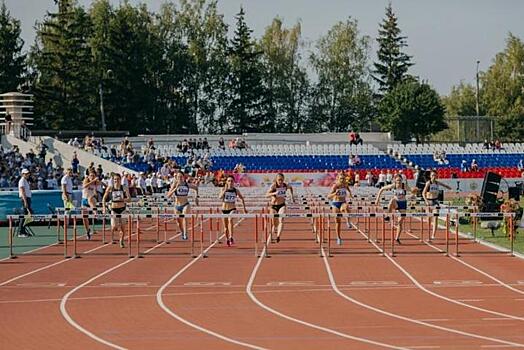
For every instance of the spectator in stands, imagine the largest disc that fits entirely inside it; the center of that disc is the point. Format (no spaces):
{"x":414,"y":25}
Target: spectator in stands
{"x":463,"y":166}
{"x":369,"y":179}
{"x":486,"y":144}
{"x":358,"y":139}
{"x":352,"y":138}
{"x":24,"y":131}
{"x":389,"y":177}
{"x":205,"y":144}
{"x":474,"y":165}
{"x":8,"y":123}
{"x":221,"y":143}
{"x":239,"y":168}
{"x":381,"y":179}
{"x":498,"y":145}
{"x":520,"y":165}
{"x":66,"y":185}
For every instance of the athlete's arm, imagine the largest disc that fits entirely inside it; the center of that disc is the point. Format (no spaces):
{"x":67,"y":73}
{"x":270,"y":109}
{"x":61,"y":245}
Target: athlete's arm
{"x":444,"y":185}
{"x":292,"y":193}
{"x":425,"y":192}
{"x":332,"y":193}
{"x":242,"y":200}
{"x":379,"y":194}
{"x":272,"y":191}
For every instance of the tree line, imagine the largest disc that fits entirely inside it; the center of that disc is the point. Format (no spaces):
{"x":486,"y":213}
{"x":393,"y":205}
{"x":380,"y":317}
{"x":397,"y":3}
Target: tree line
{"x":184,"y":70}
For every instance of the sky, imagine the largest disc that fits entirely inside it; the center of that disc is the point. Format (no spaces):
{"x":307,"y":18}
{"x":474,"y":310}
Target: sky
{"x":445,"y":37}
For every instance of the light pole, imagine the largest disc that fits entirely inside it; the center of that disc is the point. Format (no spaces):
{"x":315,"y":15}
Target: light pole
{"x":477,"y":97}
{"x":107,"y":74}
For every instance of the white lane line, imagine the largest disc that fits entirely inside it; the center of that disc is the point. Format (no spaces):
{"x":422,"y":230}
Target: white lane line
{"x":420,"y":286}
{"x":287,"y":317}
{"x":496,"y":346}
{"x":59,"y":262}
{"x":484,"y":273}
{"x":420,"y":322}
{"x":470,"y":300}
{"x":160,"y":301}
{"x":63,"y":302}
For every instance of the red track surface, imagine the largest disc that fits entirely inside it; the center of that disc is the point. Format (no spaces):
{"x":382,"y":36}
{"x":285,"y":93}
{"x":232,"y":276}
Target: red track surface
{"x":295,"y":299}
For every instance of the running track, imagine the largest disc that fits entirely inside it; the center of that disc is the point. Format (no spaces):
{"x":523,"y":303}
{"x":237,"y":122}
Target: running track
{"x":295,"y":299}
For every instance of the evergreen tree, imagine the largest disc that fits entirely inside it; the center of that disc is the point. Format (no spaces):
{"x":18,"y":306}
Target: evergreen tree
{"x":12,"y":61}
{"x":393,"y":64}
{"x":245,"y":89}
{"x":64,"y":88}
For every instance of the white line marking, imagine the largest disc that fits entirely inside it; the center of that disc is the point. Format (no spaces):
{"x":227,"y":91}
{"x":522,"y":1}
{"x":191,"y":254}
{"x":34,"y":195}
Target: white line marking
{"x":63,"y":302}
{"x":290,"y":283}
{"x":124,"y":284}
{"x":496,"y":346}
{"x":493,"y":278}
{"x":451,"y":330}
{"x":457,"y":282}
{"x":470,"y":300}
{"x":160,"y":301}
{"x":41,"y":284}
{"x":58,"y":262}
{"x":373,"y":283}
{"x":425,"y":347}
{"x":273,"y":311}
{"x":420,"y":286}
{"x":206,"y":284}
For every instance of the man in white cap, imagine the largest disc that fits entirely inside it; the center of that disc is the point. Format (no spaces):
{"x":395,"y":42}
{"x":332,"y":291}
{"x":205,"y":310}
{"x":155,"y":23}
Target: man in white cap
{"x":24,"y":192}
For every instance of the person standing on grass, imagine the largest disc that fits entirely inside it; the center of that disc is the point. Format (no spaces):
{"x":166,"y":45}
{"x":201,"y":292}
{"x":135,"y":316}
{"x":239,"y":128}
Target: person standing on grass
{"x":89,"y":198}
{"x":180,"y":188}
{"x":24,"y":192}
{"x":339,"y":191}
{"x":278,"y":192}
{"x":397,"y":203}
{"x":118,"y":195}
{"x":430,"y":194}
{"x":229,"y":195}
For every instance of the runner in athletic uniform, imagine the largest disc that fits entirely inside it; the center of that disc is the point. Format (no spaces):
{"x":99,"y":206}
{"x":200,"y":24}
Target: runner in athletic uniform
{"x":229,"y":195}
{"x":430,"y":194}
{"x":89,"y":198}
{"x":397,"y":203}
{"x":118,"y":195}
{"x":339,"y":191}
{"x":180,"y":188}
{"x":277,"y":205}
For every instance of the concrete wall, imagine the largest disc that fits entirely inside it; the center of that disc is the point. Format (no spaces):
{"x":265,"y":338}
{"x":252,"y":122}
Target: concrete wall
{"x":316,"y":138}
{"x":85,"y":158}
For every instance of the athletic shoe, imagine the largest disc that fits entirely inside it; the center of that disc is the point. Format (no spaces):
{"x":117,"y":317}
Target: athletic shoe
{"x":88,"y":233}
{"x":278,"y":239}
{"x":349,"y":224}
{"x":232,"y":240}
{"x":386,"y":218}
{"x":122,"y":245}
{"x":184,"y":236}
{"x":339,"y":241}
{"x":398,"y":240}
{"x":23,"y":235}
{"x":228,"y":242}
